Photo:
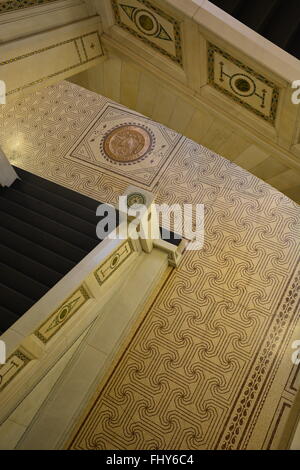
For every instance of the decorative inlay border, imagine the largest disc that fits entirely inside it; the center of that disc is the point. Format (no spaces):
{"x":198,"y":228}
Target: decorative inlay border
{"x":79,"y":44}
{"x":113,"y":263}
{"x":282,"y":411}
{"x":14,"y":364}
{"x":253,"y":387}
{"x":246,"y":82}
{"x":12,"y":5}
{"x":59,"y":318}
{"x":159,"y":33}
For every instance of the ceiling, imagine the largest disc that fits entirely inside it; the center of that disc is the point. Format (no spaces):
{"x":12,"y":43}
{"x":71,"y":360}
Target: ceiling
{"x":190,"y":67}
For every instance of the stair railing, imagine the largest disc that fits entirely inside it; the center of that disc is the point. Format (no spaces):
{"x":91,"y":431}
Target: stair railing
{"x":45,"y":332}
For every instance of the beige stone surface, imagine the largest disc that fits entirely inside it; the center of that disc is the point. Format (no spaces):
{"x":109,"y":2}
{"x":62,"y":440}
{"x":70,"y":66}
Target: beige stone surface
{"x":14,"y":428}
{"x":93,"y":356}
{"x":285,"y":180}
{"x":10,"y":434}
{"x":251,"y":157}
{"x":269,"y":168}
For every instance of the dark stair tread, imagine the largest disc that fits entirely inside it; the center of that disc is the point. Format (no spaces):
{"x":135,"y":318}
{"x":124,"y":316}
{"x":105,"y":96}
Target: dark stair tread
{"x":7,"y":318}
{"x":42,"y":238}
{"x":257,"y":17}
{"x":55,"y":200}
{"x":276,"y":20}
{"x":38,"y":271}
{"x":47,"y":225}
{"x":52,"y":213}
{"x":230,"y":6}
{"x":38,"y":253}
{"x":293,"y":45}
{"x":16,"y":280}
{"x":14,"y":301}
{"x":45,"y":231}
{"x":283,"y":23}
{"x":69,"y":194}
{"x":170,"y":237}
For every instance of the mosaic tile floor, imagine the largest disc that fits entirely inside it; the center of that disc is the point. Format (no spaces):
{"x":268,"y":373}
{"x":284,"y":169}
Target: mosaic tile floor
{"x":210,"y":366}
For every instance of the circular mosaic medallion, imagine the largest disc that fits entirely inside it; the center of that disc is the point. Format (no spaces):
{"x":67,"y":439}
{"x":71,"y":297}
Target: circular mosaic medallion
{"x":146,"y":22}
{"x":115,"y":261}
{"x":63,"y":313}
{"x":135,"y":198}
{"x":127,"y":144}
{"x":242,"y":84}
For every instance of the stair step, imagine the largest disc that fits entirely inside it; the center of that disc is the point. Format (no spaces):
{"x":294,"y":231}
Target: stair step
{"x":57,"y":215}
{"x":7,"y":318}
{"x":45,"y":231}
{"x":69,"y":194}
{"x":293,"y":45}
{"x":14,"y":301}
{"x":42,"y":238}
{"x":14,"y":279}
{"x":230,"y":6}
{"x":170,"y":236}
{"x":256,"y":17}
{"x":47,"y":276}
{"x":33,"y":251}
{"x":46,"y":225}
{"x":55,"y":200}
{"x":276,"y":20}
{"x":283,"y":23}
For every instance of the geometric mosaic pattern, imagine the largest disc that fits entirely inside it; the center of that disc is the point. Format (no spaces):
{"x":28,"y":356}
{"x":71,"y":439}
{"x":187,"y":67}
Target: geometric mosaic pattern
{"x":210,"y":364}
{"x":151,"y":25}
{"x":199,"y":370}
{"x":242,"y":84}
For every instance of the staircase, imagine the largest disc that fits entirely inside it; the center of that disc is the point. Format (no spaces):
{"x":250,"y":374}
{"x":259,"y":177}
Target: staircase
{"x":276,"y":20}
{"x":45,"y":231}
